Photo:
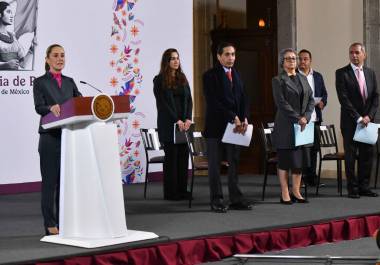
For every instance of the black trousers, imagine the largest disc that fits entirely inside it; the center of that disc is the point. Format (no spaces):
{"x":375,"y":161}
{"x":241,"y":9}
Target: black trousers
{"x":49,"y":148}
{"x":175,"y":171}
{"x":359,"y":182}
{"x":215,"y":150}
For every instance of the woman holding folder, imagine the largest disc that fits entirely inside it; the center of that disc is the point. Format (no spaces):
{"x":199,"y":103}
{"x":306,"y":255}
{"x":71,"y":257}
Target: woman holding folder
{"x":174,"y":106}
{"x":294,"y":101}
{"x":49,"y":92}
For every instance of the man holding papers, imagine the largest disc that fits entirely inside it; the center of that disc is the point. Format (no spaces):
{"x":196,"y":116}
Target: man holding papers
{"x":317,"y":85}
{"x":295,"y":104}
{"x":225,"y":103}
{"x":357,"y":92}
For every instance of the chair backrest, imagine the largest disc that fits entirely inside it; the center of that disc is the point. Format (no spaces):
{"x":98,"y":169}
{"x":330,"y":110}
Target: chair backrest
{"x":327,"y":136}
{"x":150,"y":139}
{"x":266,"y":137}
{"x":197,"y":144}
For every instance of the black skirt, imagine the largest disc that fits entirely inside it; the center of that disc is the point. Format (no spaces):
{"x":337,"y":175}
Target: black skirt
{"x":297,"y":158}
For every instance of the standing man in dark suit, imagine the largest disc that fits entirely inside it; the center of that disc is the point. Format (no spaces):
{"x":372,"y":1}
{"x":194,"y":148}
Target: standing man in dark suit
{"x":315,"y":80}
{"x":225,"y":103}
{"x":357,"y":92}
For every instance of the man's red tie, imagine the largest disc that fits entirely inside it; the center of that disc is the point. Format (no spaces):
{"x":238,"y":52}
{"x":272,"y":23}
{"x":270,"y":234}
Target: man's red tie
{"x":229,"y":75}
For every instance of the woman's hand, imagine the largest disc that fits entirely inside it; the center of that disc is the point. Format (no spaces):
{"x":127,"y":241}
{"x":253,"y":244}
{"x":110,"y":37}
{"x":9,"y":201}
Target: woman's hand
{"x":187,"y":124}
{"x":181,"y":125}
{"x":13,"y":64}
{"x":302,"y":121}
{"x":56,"y":110}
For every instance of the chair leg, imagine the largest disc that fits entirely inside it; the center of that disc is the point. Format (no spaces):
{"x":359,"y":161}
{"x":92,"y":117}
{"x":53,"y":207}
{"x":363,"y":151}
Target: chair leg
{"x":377,"y":169}
{"x":319,"y":177}
{"x":146,"y":178}
{"x":337,"y":175}
{"x":340,"y":178}
{"x":265,"y":181}
{"x":191,"y":187}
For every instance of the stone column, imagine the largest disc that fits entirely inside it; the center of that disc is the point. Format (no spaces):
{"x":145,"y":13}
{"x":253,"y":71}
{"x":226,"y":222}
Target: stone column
{"x":286,"y":24}
{"x":371,"y":38}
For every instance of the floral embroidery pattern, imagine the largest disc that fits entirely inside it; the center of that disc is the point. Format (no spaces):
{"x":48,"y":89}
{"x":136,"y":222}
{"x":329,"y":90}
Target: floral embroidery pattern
{"x":126,"y":79}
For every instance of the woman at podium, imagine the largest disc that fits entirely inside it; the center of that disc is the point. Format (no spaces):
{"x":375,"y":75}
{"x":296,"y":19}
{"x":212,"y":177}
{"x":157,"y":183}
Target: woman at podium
{"x":295,"y":103}
{"x":49,"y":92}
{"x":174,"y":108}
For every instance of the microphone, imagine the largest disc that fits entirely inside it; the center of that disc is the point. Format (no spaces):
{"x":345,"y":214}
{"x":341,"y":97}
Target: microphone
{"x":97,"y":89}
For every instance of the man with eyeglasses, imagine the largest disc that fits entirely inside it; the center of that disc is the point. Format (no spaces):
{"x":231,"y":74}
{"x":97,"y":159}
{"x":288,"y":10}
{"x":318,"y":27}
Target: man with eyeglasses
{"x":359,"y":99}
{"x":315,"y":80}
{"x":225,"y":103}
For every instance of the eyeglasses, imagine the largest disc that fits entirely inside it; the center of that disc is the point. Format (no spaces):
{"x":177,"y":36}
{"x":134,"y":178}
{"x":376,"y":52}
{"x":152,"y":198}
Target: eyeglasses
{"x":290,"y":59}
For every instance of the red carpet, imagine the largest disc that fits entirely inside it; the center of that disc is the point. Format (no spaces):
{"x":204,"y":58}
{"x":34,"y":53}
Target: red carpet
{"x":195,"y":251}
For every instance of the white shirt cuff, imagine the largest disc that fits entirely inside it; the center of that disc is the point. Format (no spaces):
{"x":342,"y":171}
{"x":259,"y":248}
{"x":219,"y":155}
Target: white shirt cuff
{"x":359,"y":120}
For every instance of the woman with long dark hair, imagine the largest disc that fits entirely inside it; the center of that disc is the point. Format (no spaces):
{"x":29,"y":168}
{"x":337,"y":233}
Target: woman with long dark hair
{"x":12,"y":54}
{"x":174,"y":106}
{"x":49,"y":92}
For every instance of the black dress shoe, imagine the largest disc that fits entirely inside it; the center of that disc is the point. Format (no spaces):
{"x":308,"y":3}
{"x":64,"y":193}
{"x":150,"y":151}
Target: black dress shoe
{"x":295,"y":199}
{"x":368,"y":193}
{"x":219,"y":208}
{"x":241,"y":206}
{"x":353,"y":195}
{"x":286,"y":202}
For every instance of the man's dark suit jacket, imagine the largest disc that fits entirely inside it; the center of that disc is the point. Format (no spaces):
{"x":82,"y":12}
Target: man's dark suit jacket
{"x":352,"y":105}
{"x":223,"y":101}
{"x":288,"y":102}
{"x":319,"y":92}
{"x":47,"y":93}
{"x":167,"y":113}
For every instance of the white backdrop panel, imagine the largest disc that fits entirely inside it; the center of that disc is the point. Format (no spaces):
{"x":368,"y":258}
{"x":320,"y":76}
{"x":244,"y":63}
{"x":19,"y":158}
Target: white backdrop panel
{"x":84,"y":29}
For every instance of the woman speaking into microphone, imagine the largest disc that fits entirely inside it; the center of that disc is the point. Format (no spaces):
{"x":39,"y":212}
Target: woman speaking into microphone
{"x":49,"y":92}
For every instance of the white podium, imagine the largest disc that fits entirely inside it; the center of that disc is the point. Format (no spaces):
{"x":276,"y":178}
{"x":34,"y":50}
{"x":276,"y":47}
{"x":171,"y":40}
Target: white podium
{"x":91,"y":194}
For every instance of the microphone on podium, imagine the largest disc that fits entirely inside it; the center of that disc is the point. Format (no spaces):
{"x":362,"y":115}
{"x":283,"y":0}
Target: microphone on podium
{"x":97,"y":89}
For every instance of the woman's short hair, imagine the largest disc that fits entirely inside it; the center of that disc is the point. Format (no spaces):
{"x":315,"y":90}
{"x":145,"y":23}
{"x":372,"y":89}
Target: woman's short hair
{"x":3,"y":6}
{"x":281,"y":56}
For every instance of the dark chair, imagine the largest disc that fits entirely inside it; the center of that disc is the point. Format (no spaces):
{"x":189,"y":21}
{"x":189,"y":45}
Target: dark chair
{"x":327,"y":139}
{"x":198,"y":156}
{"x":270,"y":157}
{"x":151,"y":143}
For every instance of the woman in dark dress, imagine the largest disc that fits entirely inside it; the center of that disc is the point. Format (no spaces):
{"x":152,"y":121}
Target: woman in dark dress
{"x":295,"y":103}
{"x":174,"y":105}
{"x":49,"y":92}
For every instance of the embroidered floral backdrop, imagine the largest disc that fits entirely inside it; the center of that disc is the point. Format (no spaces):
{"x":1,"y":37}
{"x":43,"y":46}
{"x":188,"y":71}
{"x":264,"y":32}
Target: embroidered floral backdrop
{"x":128,"y":70}
{"x":127,"y":78}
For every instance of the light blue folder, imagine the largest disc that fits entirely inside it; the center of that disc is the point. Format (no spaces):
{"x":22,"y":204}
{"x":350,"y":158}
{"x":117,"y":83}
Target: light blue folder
{"x":367,"y":135}
{"x":306,"y":136}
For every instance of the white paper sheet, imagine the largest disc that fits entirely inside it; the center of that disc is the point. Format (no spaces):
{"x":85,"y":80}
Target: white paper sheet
{"x":231,"y":137}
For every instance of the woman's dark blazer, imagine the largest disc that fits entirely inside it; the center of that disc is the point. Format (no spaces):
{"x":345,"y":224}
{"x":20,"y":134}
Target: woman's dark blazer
{"x":166,"y":109}
{"x":47,"y":93}
{"x":287,"y":99}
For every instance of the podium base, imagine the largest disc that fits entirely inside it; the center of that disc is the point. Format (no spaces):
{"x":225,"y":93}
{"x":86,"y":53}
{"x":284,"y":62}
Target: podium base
{"x":131,"y":236}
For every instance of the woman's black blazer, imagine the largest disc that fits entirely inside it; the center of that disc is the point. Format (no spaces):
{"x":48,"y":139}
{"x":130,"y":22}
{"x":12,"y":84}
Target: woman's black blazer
{"x":167,"y":113}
